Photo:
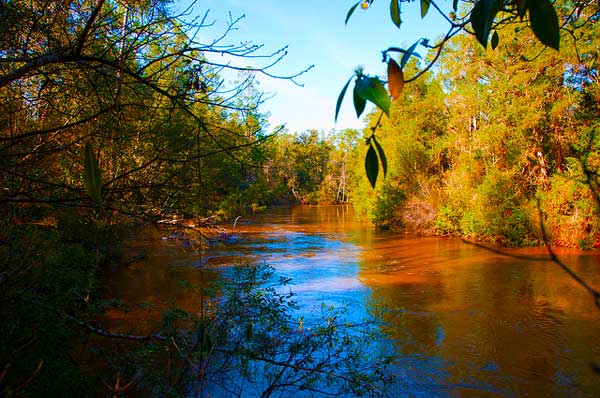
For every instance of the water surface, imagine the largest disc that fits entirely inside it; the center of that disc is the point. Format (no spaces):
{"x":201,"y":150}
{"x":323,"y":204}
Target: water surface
{"x":464,"y":321}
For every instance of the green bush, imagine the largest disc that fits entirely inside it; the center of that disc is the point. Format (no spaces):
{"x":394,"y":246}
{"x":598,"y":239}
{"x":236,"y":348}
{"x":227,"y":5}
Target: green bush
{"x":447,"y":221}
{"x":386,"y":211}
{"x":570,"y":209}
{"x":498,"y":211}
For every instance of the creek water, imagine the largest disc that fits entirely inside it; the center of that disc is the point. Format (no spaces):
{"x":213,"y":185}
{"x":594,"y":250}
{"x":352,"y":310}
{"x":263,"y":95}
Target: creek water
{"x":463,"y":320}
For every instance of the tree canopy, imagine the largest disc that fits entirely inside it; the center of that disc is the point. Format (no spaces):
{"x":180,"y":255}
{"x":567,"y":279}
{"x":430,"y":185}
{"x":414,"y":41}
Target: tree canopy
{"x":489,"y":21}
{"x":122,"y":103}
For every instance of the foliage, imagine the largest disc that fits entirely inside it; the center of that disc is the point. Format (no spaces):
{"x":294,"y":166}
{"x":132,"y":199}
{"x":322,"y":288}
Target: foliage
{"x":116,"y":111}
{"x":387,"y":207}
{"x":106,"y":103}
{"x":47,"y":270}
{"x":570,"y":209}
{"x":480,"y":19}
{"x":474,"y":162}
{"x":308,"y":167}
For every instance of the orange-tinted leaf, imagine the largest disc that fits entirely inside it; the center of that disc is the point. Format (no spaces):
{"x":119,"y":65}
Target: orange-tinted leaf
{"x":395,"y":79}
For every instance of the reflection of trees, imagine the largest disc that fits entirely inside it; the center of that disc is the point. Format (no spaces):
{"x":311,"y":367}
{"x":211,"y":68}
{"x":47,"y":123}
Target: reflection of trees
{"x":478,"y":320}
{"x":153,"y":285}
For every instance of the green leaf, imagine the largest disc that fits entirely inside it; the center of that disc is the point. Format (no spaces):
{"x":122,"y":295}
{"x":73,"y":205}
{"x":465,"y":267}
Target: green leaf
{"x":372,"y":165}
{"x":381,"y":154}
{"x":372,"y":89}
{"x":424,"y":7}
{"x":359,"y":102}
{"x":338,"y":105}
{"x":495,"y":40}
{"x":482,"y":17}
{"x":351,"y":11}
{"x":91,"y":175}
{"x":544,"y":22}
{"x":395,"y":12}
{"x":410,"y":52}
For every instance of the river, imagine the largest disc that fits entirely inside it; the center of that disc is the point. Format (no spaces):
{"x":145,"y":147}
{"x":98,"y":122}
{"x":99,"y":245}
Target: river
{"x":464,"y":321}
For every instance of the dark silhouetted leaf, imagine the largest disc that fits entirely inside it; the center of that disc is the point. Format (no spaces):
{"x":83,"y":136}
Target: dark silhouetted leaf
{"x":91,"y":175}
{"x":424,"y":7}
{"x":544,"y":22}
{"x":381,"y":154}
{"x":409,"y":53}
{"x":395,"y":78}
{"x":338,"y":105}
{"x":371,"y":89}
{"x":359,"y":102}
{"x":482,"y":17}
{"x":455,"y":5}
{"x":495,"y":40}
{"x":395,"y":12}
{"x":372,"y":165}
{"x":351,"y":11}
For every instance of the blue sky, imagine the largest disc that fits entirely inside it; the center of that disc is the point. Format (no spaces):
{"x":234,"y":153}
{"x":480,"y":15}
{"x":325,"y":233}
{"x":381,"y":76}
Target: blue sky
{"x":315,"y":33}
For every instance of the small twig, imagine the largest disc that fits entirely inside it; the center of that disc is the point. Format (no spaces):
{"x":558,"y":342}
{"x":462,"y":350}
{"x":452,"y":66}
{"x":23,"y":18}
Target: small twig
{"x":117,"y":389}
{"x":30,"y":379}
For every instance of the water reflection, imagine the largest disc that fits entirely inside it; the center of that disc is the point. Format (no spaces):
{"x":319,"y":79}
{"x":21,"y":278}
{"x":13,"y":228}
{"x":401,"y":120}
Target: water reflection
{"x":465,"y":322}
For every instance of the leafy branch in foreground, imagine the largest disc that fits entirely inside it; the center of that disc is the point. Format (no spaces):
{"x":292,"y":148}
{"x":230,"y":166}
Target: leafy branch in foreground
{"x":247,"y":339}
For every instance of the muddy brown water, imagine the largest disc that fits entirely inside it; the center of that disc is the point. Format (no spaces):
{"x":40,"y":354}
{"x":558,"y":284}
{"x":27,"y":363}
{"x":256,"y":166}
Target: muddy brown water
{"x":464,"y":321}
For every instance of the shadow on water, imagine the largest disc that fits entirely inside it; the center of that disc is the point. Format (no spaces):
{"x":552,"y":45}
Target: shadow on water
{"x":465,"y":322}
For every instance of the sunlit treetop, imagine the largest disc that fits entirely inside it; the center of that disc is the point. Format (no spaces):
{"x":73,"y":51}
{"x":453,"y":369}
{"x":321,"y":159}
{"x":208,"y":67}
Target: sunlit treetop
{"x":483,"y":19}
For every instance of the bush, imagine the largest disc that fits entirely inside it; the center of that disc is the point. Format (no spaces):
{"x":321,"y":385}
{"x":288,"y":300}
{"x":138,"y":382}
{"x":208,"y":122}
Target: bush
{"x":570,"y":209}
{"x":498,"y":211}
{"x":386,"y":211}
{"x":447,"y":221}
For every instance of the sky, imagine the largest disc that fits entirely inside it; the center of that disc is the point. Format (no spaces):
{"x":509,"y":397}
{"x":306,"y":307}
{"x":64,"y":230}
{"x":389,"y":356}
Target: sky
{"x":315,"y":34}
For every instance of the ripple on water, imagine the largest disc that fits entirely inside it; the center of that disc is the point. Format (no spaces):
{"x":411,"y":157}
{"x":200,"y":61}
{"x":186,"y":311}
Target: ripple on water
{"x":463,"y":321}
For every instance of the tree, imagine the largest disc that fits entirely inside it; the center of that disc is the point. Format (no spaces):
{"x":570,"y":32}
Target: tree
{"x":133,"y":83}
{"x":481,"y":19}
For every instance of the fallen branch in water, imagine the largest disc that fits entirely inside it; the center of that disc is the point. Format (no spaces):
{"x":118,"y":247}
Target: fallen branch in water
{"x":99,"y":331}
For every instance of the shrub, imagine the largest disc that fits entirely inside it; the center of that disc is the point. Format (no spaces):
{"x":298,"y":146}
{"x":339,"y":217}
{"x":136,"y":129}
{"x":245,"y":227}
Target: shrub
{"x":570,"y":209}
{"x":386,"y":211}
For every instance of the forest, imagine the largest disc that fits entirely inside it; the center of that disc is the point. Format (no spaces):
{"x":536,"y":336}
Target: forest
{"x":115,"y":115}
